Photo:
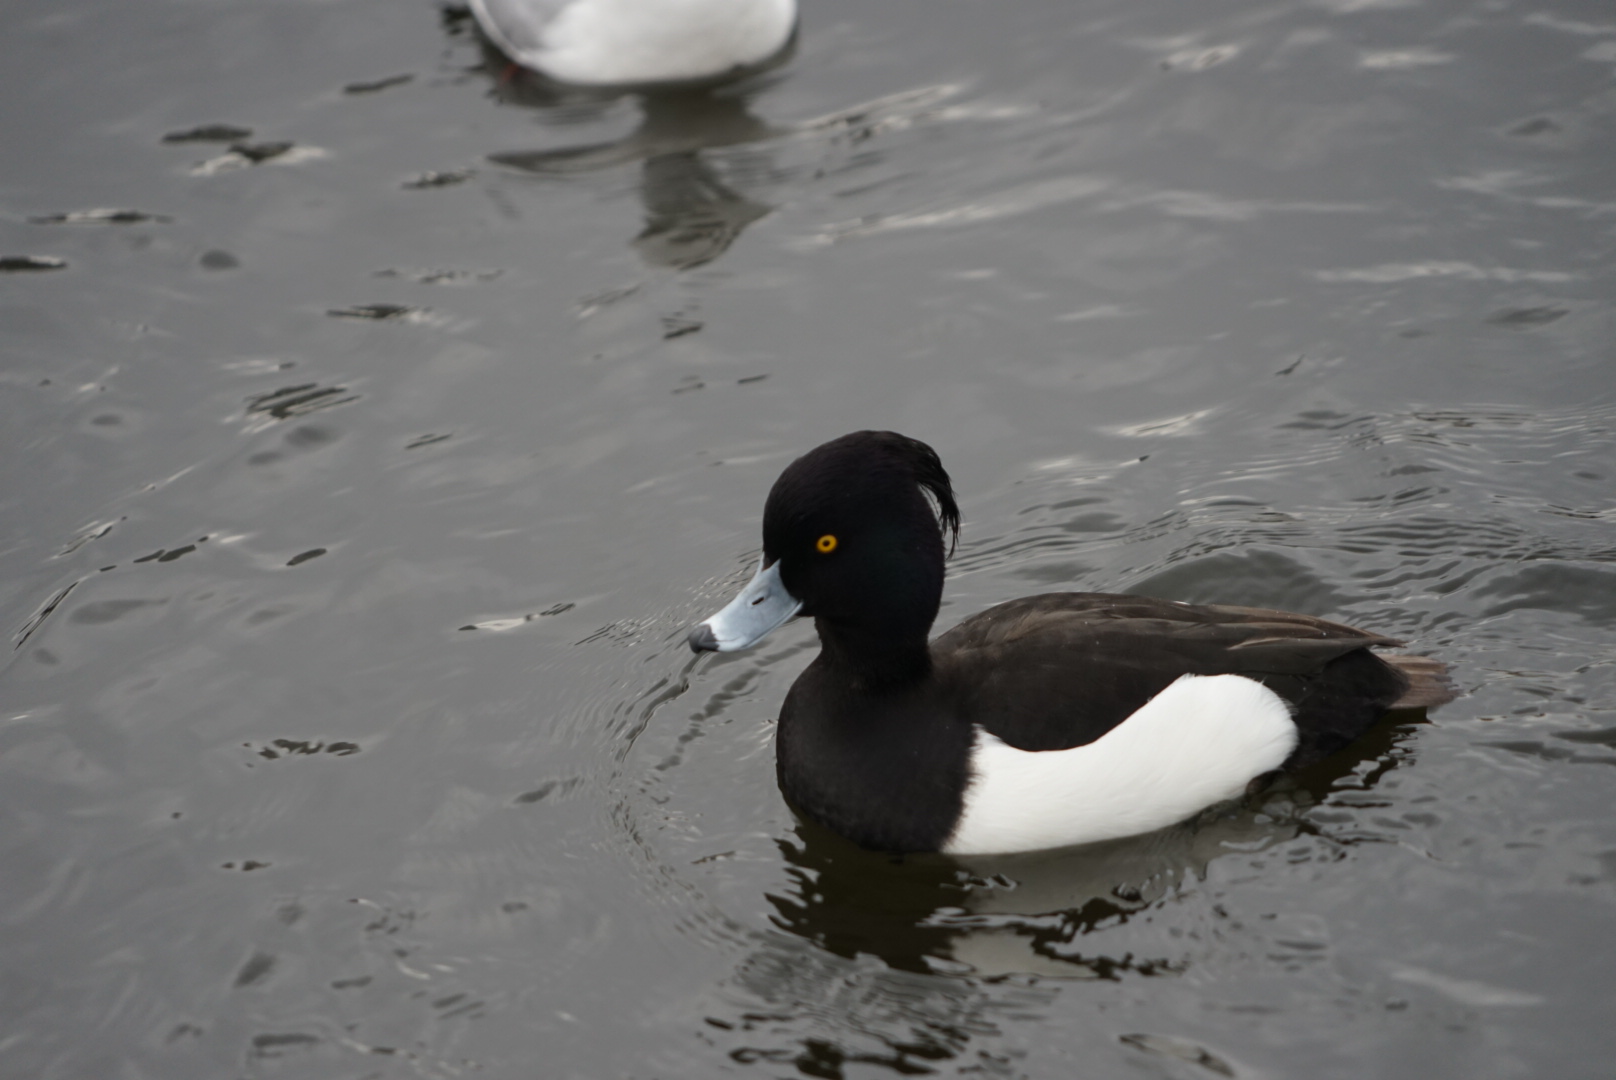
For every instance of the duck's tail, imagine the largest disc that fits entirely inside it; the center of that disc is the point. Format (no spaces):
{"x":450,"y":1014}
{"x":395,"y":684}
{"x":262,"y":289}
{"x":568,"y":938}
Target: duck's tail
{"x":1429,"y":684}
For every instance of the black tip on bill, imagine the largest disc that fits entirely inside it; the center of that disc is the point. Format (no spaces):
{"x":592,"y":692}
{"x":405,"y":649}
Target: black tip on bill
{"x":702,"y":639}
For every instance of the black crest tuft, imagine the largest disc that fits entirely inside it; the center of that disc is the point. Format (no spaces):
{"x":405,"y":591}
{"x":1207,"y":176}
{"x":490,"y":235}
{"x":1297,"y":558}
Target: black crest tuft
{"x":933,"y":480}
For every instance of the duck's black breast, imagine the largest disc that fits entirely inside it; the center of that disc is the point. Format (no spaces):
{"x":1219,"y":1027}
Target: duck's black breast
{"x":1060,"y":670}
{"x":887,"y":770}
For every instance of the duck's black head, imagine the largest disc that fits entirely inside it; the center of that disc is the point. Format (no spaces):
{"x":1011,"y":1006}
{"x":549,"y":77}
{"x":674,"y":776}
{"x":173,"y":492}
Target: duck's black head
{"x":853,"y":535}
{"x":852,"y":525}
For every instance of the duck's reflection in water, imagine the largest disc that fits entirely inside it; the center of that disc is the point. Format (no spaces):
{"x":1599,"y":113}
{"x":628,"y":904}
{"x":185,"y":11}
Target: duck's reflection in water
{"x":905,"y":963}
{"x":1007,"y":914}
{"x":692,"y":215}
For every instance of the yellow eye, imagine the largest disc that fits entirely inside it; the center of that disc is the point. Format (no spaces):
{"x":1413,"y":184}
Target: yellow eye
{"x":826,"y":544}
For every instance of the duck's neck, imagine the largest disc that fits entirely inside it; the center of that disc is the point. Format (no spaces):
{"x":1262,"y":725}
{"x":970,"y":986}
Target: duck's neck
{"x":874,"y":661}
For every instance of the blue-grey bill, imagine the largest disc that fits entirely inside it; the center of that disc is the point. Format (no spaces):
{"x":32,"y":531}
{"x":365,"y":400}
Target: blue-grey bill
{"x":746,"y":620}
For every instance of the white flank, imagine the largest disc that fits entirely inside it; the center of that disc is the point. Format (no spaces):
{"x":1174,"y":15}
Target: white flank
{"x":1197,"y":743}
{"x":605,"y":42}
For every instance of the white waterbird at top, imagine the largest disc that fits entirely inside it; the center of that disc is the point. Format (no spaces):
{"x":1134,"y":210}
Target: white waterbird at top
{"x":639,"y":42}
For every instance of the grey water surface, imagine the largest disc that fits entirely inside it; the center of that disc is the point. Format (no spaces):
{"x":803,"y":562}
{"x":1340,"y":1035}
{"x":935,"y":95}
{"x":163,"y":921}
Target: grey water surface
{"x":376,"y":422}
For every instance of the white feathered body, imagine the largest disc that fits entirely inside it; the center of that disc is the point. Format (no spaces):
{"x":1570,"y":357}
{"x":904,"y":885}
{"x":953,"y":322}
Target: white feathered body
{"x":626,"y":42}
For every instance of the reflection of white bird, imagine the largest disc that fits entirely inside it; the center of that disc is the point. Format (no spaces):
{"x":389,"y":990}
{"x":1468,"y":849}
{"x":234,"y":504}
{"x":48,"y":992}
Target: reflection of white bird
{"x":692,"y":215}
{"x":631,"y":42}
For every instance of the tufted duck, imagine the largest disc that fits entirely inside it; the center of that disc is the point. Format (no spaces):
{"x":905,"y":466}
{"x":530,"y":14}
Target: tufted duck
{"x":1042,"y":722}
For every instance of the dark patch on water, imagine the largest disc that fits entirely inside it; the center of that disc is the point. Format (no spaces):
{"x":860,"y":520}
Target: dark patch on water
{"x":222,"y":133}
{"x":26,"y":264}
{"x":299,"y":400}
{"x":276,"y":749}
{"x":258,"y":153}
{"x":166,"y":554}
{"x":440,"y":276}
{"x":548,"y":791}
{"x":1528,"y":318}
{"x":278,"y":1045}
{"x":255,"y":970}
{"x":377,"y":85}
{"x":38,"y":618}
{"x":1537,"y":125}
{"x":93,"y":533}
{"x":677,"y":326}
{"x":375,"y":312}
{"x":309,"y":436}
{"x":101,"y":217}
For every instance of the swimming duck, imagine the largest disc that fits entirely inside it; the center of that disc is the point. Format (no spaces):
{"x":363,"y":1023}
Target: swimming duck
{"x":638,"y":42}
{"x":1043,"y":722}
